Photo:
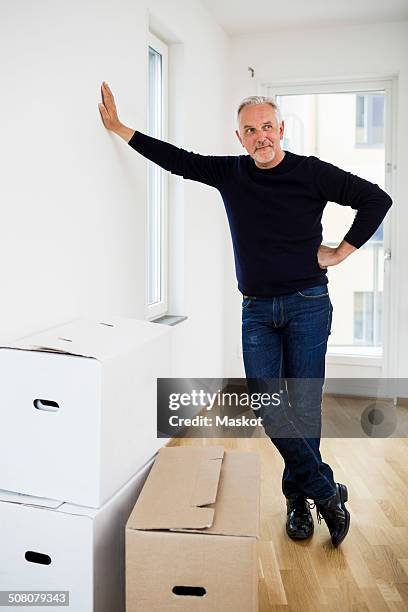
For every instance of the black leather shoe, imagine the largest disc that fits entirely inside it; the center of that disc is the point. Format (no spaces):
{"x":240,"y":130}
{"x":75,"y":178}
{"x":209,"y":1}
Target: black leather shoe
{"x":335,"y":514}
{"x":299,"y":523}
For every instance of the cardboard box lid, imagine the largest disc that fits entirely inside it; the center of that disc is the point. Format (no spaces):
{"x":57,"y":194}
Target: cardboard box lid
{"x":100,"y":339}
{"x":202,"y":489}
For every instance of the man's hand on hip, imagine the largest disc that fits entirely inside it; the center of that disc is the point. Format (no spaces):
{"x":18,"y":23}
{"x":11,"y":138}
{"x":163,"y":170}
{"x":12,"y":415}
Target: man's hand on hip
{"x":109,"y":114}
{"x":328,"y":256}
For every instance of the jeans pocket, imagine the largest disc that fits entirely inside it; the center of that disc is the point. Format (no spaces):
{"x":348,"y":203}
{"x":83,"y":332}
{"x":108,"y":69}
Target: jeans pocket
{"x":330,"y":320}
{"x":318,"y":291}
{"x":246,"y":302}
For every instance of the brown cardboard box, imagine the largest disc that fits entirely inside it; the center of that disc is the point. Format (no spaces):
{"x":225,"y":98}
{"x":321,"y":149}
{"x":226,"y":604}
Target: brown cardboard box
{"x":191,"y":538}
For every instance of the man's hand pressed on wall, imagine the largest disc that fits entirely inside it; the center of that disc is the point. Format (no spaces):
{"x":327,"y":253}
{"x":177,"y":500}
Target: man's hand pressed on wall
{"x":328,"y":256}
{"x":109,"y":114}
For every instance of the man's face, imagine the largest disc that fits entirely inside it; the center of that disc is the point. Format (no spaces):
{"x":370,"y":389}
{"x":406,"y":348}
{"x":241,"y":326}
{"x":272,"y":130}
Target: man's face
{"x":260,"y":134}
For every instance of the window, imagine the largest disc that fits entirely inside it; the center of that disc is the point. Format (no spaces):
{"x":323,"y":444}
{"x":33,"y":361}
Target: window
{"x":357,"y":284}
{"x":367,"y":328}
{"x":157,"y":211}
{"x":370,"y":120}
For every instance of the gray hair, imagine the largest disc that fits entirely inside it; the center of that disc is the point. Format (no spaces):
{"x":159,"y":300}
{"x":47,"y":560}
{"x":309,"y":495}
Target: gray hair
{"x":252,"y":100}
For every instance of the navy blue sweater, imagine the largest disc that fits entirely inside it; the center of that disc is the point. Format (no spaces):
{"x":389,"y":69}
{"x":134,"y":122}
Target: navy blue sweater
{"x":275,"y":215}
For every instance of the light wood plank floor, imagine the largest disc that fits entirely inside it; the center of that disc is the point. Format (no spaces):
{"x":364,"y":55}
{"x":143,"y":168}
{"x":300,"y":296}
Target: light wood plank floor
{"x":369,"y":571}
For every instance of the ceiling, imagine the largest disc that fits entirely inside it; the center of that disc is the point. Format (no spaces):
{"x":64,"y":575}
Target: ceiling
{"x":262,"y":16}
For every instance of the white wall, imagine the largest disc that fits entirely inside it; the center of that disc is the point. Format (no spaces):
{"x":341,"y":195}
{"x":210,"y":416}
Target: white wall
{"x":328,"y":53}
{"x":73,"y":196}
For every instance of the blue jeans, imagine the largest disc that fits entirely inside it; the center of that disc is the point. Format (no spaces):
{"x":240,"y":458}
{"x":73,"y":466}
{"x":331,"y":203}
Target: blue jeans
{"x":285,"y":337}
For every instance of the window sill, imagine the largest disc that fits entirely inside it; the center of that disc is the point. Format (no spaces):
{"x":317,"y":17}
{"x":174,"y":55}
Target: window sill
{"x":355,"y":355}
{"x":356,"y":351}
{"x":169,"y":319}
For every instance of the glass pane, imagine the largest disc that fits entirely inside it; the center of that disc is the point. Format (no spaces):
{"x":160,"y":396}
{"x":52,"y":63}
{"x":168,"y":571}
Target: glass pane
{"x":378,"y":111}
{"x":332,"y":127}
{"x":154,"y":270}
{"x":360,"y":111}
{"x":370,"y":120}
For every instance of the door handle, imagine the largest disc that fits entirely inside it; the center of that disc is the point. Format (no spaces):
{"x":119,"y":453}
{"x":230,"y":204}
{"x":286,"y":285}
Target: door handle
{"x":387,"y":254}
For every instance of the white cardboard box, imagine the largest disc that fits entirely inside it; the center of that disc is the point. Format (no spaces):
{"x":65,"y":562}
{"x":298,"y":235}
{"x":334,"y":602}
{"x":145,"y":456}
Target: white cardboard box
{"x":75,"y":549}
{"x":78,"y":408}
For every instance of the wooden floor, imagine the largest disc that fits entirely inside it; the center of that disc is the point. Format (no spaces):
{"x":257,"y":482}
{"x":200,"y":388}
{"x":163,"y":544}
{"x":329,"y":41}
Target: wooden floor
{"x":369,"y":571}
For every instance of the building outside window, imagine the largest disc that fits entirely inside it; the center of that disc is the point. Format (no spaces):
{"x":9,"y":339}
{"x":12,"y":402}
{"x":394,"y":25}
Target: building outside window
{"x":369,"y":119}
{"x":367,"y":318}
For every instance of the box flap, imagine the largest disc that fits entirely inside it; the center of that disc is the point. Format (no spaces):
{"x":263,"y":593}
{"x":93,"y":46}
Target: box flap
{"x":206,"y":485}
{"x":182,"y":484}
{"x":238,"y":499}
{"x":29,"y":500}
{"x":100,"y":339}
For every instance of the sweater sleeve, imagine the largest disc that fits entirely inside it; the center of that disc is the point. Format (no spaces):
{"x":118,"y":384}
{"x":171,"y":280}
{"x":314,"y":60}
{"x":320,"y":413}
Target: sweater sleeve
{"x":208,"y":169}
{"x":371,"y":203}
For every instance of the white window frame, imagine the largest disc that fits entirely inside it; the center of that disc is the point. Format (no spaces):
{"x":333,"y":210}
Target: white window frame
{"x":387,"y":83}
{"x":156,"y":310}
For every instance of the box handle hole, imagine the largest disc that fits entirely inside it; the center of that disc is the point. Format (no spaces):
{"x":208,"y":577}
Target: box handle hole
{"x":47,"y":405}
{"x":36,"y":557}
{"x":189,"y":590}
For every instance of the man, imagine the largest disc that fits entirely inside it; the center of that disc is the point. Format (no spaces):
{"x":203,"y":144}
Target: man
{"x":274,"y":200}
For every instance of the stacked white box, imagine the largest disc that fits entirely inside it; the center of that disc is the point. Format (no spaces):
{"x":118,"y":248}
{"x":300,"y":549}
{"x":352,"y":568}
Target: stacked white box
{"x":68,"y":548}
{"x":78,"y":408}
{"x":78,"y":425}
